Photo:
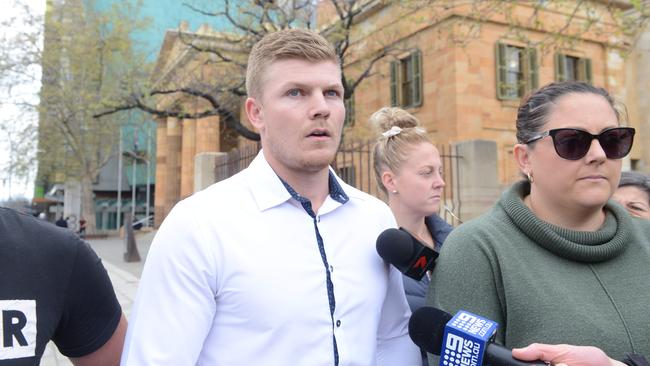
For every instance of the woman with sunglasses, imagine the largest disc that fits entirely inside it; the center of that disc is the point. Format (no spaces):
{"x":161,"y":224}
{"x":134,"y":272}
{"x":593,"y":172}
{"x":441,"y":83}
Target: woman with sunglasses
{"x":554,"y":261}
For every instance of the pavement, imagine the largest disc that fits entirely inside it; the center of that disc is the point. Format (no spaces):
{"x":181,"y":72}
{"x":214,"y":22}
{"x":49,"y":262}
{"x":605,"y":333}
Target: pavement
{"x":124,"y":276}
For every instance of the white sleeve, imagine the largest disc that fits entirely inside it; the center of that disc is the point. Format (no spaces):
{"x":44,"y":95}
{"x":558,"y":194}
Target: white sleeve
{"x":175,"y":302}
{"x":394,"y":346}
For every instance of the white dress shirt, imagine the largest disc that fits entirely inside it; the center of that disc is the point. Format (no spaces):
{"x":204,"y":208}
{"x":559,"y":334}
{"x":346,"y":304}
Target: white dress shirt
{"x":235,"y":277}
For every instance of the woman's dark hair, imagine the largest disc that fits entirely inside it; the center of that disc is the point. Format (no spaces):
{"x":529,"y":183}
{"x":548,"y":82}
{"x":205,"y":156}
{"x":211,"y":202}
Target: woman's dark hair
{"x":636,"y":179}
{"x":535,"y":108}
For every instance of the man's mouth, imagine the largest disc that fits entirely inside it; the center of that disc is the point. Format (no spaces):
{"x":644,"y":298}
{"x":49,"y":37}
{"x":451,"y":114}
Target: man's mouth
{"x":319,"y":133}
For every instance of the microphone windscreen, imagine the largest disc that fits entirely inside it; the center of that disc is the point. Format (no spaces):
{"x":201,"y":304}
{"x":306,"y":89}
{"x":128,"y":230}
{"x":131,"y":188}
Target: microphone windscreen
{"x":395,"y":246}
{"x":427,"y":328}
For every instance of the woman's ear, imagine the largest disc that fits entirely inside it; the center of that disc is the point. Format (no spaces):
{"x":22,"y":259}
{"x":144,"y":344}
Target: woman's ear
{"x":388,"y":179}
{"x":522,"y":157}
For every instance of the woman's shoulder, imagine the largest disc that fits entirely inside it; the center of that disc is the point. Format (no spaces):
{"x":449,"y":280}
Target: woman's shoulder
{"x":641,"y":225}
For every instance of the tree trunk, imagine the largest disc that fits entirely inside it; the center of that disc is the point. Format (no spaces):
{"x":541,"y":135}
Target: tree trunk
{"x":88,"y":204}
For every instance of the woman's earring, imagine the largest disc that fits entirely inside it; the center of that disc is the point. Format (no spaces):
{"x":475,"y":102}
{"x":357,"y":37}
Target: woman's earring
{"x":394,"y":191}
{"x":530,"y":177}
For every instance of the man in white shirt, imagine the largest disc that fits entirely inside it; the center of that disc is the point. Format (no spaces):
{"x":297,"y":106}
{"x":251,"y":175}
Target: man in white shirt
{"x":277,"y":264}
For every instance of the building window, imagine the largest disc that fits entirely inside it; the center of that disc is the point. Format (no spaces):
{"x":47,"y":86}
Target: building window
{"x":517,"y":71}
{"x":348,"y":174}
{"x":349,"y":112}
{"x":570,"y":68}
{"x":406,"y":81}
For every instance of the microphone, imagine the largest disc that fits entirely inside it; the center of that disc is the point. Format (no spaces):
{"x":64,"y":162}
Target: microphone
{"x":465,"y":339}
{"x":401,"y":249}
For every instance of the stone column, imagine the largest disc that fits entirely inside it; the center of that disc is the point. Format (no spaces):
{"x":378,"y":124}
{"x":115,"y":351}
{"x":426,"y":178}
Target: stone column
{"x":173,"y":179}
{"x":160,"y":196}
{"x":204,"y":168}
{"x":188,"y":150}
{"x":477,"y":177}
{"x":207,"y":134}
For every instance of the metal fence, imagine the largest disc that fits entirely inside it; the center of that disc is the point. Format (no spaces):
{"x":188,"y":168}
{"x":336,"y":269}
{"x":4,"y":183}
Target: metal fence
{"x":354,"y":165}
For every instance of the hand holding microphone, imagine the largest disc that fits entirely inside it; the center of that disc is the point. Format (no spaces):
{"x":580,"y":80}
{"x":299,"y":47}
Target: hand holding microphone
{"x":568,"y":355}
{"x":401,"y":249}
{"x":465,"y":339}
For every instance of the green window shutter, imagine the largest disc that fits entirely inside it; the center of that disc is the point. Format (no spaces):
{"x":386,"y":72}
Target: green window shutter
{"x":501,"y":70}
{"x":393,"y":83}
{"x":584,"y":65}
{"x":533,"y":70}
{"x":560,"y":67}
{"x":416,"y":62}
{"x":349,"y":112}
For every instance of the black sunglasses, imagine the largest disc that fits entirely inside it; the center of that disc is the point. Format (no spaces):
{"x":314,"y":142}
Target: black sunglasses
{"x":573,"y":144}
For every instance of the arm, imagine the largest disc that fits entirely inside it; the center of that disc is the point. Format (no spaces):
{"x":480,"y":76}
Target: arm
{"x":175,"y":303}
{"x":564,"y":354}
{"x":394,"y":346}
{"x":92,"y":326}
{"x":108,"y":354}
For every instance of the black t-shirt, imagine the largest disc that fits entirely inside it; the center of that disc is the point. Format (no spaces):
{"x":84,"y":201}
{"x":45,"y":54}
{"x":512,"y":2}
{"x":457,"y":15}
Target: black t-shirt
{"x":52,"y":287}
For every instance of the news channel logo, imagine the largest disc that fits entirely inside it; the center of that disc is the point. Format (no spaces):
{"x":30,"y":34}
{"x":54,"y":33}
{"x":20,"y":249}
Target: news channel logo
{"x":466,"y":336}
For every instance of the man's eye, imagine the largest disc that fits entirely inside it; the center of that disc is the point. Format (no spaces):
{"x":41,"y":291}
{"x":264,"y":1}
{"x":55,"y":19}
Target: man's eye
{"x":332,"y":93}
{"x":293,"y":92}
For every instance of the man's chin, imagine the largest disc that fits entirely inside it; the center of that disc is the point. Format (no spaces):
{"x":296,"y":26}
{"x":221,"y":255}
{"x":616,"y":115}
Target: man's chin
{"x":318,"y":162}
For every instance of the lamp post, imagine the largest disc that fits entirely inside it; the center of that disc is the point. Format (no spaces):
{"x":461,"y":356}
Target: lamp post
{"x":135,"y":157}
{"x":119,"y":183}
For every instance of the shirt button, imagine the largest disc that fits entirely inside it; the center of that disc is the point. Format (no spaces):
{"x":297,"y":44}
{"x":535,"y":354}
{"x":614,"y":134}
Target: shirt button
{"x":338,"y":323}
{"x":331,"y":268}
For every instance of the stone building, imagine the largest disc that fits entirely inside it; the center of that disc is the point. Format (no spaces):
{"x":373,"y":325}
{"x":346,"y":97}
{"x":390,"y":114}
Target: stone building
{"x":461,"y":69}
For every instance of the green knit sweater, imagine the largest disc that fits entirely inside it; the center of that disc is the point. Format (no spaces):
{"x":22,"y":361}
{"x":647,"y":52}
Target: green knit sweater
{"x":543,"y":283}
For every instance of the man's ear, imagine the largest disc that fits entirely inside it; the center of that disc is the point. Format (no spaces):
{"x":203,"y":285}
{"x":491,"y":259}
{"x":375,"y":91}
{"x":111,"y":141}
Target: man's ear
{"x":522,"y":157}
{"x":388,"y":180}
{"x":254,"y":113}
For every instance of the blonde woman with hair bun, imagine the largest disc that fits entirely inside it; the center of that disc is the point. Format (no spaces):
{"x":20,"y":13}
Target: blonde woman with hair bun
{"x":408,"y":170}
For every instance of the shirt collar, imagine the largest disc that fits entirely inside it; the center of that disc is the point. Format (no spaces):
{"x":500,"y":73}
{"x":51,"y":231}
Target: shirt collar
{"x":269,"y":190}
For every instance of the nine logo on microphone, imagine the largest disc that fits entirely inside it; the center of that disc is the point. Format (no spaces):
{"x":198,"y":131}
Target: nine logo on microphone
{"x":466,"y":336}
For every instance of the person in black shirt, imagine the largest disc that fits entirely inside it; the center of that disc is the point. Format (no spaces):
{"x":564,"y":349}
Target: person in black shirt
{"x":54,"y":287}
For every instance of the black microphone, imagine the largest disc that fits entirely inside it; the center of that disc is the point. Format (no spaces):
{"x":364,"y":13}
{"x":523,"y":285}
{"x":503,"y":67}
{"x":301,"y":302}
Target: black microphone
{"x":401,"y":249}
{"x":464,"y":339}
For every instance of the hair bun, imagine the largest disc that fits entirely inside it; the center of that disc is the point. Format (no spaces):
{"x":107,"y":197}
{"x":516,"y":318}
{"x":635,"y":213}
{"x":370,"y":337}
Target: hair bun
{"x":387,"y":117}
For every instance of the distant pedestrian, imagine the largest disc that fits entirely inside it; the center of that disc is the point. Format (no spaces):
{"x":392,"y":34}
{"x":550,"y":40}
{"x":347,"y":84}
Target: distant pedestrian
{"x":82,"y":227}
{"x":62,"y":222}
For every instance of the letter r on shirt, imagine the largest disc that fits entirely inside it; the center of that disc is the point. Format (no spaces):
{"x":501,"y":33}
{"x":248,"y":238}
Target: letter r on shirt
{"x":17,"y":329}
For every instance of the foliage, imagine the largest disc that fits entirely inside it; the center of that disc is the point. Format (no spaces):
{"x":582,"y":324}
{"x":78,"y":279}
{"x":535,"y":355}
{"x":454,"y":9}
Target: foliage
{"x":246,"y":22}
{"x":88,"y":60}
{"x":243,"y":23}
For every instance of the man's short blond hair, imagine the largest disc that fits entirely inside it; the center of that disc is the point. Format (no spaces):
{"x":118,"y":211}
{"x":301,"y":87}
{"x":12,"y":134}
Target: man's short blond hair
{"x":286,"y":44}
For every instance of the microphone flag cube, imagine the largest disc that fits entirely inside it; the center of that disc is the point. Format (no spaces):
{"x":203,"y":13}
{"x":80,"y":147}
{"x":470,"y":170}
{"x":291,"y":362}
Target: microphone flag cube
{"x":465,"y":339}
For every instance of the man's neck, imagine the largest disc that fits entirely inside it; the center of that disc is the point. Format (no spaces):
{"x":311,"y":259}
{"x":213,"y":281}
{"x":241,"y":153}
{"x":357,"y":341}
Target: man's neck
{"x":312,"y":185}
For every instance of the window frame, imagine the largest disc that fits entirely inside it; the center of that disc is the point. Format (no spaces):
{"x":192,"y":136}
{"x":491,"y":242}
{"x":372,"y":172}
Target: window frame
{"x":583,"y":69}
{"x":406,"y":73}
{"x":528,"y":68}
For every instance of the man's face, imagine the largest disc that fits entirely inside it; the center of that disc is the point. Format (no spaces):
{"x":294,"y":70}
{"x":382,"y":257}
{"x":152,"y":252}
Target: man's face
{"x":299,"y":115}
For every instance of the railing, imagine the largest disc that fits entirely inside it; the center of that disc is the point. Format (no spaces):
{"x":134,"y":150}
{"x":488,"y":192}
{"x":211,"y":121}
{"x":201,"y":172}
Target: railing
{"x":354,"y":164}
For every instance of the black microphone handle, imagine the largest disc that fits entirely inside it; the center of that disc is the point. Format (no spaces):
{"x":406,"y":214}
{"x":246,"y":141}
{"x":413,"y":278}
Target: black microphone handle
{"x":496,"y":355}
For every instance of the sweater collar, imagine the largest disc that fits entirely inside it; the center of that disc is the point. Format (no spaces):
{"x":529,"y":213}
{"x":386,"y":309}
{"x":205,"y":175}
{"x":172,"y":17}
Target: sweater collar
{"x":583,"y":246}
